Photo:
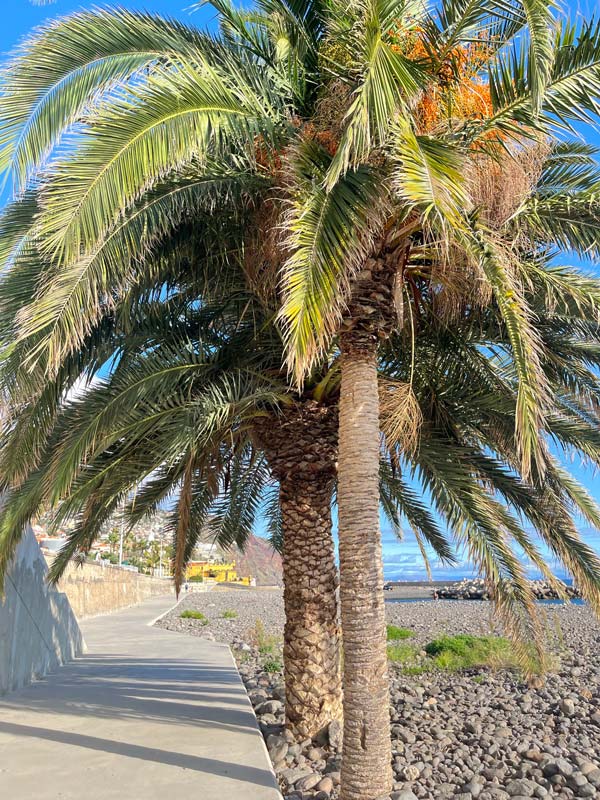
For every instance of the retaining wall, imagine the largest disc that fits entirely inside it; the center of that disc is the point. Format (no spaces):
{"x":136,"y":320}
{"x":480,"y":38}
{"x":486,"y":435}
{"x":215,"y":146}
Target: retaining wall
{"x":38,"y":630}
{"x":95,"y":589}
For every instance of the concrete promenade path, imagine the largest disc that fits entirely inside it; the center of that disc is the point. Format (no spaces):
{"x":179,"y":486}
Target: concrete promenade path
{"x":146,"y":714}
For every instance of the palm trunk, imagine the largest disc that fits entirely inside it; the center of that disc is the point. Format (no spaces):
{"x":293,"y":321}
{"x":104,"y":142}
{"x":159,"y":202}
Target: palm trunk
{"x":311,"y":652}
{"x":366,"y":764}
{"x":301,"y":448}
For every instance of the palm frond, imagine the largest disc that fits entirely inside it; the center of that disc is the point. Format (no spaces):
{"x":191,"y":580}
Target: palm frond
{"x":387,"y":82}
{"x":183,"y":513}
{"x":526,"y":351}
{"x":329,"y":236}
{"x":60,"y":70}
{"x":571,"y":91}
{"x":428,"y":176}
{"x":72,"y":300}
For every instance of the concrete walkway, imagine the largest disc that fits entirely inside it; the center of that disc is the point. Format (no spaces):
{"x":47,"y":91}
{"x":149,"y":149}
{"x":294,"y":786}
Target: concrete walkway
{"x":146,"y":714}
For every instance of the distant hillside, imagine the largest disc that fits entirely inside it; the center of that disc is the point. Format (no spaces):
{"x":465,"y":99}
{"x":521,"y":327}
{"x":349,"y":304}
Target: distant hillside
{"x":259,"y":560}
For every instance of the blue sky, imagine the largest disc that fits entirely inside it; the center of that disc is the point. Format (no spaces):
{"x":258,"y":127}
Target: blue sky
{"x":401,"y":559}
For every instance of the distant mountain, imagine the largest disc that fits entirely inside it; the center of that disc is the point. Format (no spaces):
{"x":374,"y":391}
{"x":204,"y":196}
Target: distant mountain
{"x":260,"y":561}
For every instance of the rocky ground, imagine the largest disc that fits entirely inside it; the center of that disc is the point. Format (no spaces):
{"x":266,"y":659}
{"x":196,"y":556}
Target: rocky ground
{"x":480,"y":734}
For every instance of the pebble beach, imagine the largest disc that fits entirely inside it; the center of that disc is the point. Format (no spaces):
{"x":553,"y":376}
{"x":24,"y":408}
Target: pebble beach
{"x":479,"y":733}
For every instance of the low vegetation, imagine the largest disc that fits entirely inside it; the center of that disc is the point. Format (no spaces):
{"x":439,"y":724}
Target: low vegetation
{"x":265,"y":643}
{"x":403,"y":653}
{"x":229,"y":615}
{"x":453,"y":653}
{"x":394,"y":633}
{"x":272,"y":666}
{"x":464,"y":651}
{"x":198,"y":615}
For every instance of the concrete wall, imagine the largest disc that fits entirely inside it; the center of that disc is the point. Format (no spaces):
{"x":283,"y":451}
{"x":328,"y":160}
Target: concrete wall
{"x":38,"y":630}
{"x":95,"y":589}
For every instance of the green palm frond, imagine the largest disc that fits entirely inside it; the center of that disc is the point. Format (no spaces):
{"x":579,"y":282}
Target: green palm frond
{"x":238,"y":506}
{"x":181,"y":523}
{"x":527,"y":350}
{"x":565,"y":290}
{"x":387,"y":82}
{"x":465,"y":21}
{"x":570,"y":221}
{"x":399,"y":499}
{"x":328,"y":235}
{"x":572,"y":88}
{"x":569,"y":166}
{"x":540,"y":26}
{"x":429,"y":177}
{"x":72,"y":301}
{"x":182,"y":117}
{"x":246,"y":29}
{"x":62,"y":68}
{"x":274,"y":519}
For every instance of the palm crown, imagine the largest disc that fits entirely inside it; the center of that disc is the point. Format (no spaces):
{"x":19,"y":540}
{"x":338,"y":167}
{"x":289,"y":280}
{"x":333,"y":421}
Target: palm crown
{"x":356,"y":158}
{"x":334,"y":124}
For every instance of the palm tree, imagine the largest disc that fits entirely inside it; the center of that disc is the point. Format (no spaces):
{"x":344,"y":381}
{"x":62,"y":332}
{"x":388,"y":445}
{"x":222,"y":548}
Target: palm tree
{"x":364,"y":133}
{"x":113,"y":540}
{"x":148,"y":432}
{"x":206,"y":461}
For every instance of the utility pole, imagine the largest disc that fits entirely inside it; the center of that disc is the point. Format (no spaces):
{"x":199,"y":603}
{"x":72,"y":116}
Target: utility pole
{"x":121,"y":544}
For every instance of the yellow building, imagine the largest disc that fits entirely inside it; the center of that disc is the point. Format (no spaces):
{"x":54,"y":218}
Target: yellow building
{"x":209,"y":570}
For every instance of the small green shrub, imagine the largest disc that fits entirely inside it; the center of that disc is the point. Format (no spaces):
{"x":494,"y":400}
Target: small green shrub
{"x":464,"y":651}
{"x":402,"y":653}
{"x":266,"y":644}
{"x":189,"y":614}
{"x":415,"y":670}
{"x":196,"y":579}
{"x":394,"y":633}
{"x":453,"y":653}
{"x":229,"y":615}
{"x":272,"y":666}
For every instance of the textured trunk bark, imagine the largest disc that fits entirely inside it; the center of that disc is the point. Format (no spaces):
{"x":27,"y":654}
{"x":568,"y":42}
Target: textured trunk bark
{"x":311,"y":650}
{"x":301,"y":448}
{"x":366,"y":764}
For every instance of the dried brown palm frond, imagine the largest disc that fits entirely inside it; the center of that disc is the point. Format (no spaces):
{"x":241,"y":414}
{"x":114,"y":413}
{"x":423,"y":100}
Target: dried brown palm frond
{"x":400,"y":415}
{"x":455,"y":278}
{"x":497,"y":183}
{"x":327,"y":124}
{"x":263,"y":252}
{"x":460,"y":283}
{"x":500,"y":182}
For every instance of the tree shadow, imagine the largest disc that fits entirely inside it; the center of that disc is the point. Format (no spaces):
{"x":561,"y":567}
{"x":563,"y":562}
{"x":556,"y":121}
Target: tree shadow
{"x":180,"y":692}
{"x":239,"y":772}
